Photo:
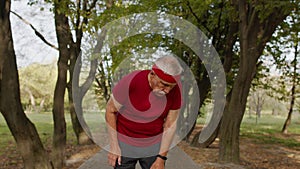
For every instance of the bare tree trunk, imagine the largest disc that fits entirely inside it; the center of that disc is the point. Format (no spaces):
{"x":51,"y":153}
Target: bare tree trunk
{"x":59,"y":136}
{"x":228,"y":54}
{"x":41,"y":106}
{"x":203,"y":86}
{"x":195,"y":142}
{"x":32,"y":107}
{"x":254,"y":34}
{"x":258,"y":101}
{"x":73,"y":86}
{"x":293,"y":97}
{"x":79,"y":125}
{"x":23,"y":130}
{"x":289,"y":117}
{"x":103,"y":83}
{"x":78,"y":122}
{"x":76,"y":112}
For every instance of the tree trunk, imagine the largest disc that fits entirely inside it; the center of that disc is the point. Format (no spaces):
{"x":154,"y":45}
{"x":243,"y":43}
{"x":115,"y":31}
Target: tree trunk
{"x":293,"y":94}
{"x":41,"y":106}
{"x":258,"y":101}
{"x":78,"y":122}
{"x":289,"y":117}
{"x":76,"y":112}
{"x":228,"y":54}
{"x":32,"y":107}
{"x":254,"y":33}
{"x":203,"y":87}
{"x":195,"y":142}
{"x":76,"y":92}
{"x":103,"y":83}
{"x":23,"y":130}
{"x":79,"y":125}
{"x":59,"y":136}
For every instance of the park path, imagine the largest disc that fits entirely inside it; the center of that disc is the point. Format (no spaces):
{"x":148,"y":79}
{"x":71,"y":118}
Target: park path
{"x":177,"y":159}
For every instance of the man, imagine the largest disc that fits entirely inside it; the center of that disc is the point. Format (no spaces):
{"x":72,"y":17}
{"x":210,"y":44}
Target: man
{"x":141,"y":115}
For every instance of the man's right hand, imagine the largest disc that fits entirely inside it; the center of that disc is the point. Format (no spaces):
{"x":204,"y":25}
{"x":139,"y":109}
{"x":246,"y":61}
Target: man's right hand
{"x":114,"y":155}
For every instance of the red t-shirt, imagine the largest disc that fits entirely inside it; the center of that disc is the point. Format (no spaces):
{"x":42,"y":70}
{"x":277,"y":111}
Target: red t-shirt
{"x":141,"y":118}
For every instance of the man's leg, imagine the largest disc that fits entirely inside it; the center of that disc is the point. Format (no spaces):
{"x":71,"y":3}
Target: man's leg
{"x":147,"y":162}
{"x":126,"y":163}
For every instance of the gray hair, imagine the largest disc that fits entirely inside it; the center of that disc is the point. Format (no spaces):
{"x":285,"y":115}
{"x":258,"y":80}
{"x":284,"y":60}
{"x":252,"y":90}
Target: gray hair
{"x":169,"y":64}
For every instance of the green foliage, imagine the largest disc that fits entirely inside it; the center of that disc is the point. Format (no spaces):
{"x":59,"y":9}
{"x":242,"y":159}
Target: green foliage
{"x":37,"y":81}
{"x":279,"y":56}
{"x":210,"y":16}
{"x":266,"y":8}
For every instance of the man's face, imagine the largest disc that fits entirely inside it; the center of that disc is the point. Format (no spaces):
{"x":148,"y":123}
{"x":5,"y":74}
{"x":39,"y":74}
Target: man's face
{"x":159,"y":86}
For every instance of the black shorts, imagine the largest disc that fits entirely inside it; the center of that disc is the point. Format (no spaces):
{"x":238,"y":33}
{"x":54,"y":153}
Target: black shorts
{"x":133,"y":154}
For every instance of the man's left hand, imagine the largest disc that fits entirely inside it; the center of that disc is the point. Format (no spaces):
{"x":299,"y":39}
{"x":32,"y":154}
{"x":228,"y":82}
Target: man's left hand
{"x":158,"y":164}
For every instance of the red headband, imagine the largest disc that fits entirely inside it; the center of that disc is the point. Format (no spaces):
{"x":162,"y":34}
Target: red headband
{"x":164,"y":76}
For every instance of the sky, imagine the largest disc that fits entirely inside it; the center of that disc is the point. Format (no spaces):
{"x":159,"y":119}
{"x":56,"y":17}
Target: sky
{"x":28,"y":47}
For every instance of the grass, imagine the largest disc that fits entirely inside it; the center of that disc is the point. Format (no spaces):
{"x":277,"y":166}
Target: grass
{"x":44,"y":124}
{"x":267,"y":130}
{"x":6,"y":137}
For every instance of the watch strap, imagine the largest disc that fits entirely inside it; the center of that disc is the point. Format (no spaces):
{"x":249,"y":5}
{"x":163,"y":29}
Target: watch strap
{"x":162,"y":157}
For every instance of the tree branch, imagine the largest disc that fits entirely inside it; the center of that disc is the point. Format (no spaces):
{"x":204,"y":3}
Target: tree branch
{"x":253,"y":15}
{"x":197,"y":18}
{"x":35,"y":31}
{"x":77,"y":22}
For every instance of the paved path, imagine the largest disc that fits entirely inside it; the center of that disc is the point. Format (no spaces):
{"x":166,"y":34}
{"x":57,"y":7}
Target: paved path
{"x":177,"y":159}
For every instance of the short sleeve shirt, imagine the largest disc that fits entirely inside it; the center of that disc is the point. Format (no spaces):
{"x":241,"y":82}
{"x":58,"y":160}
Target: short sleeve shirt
{"x":141,"y":118}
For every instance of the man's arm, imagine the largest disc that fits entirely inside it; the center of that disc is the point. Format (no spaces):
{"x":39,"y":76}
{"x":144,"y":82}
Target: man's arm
{"x":167,"y":138}
{"x":112,"y":108}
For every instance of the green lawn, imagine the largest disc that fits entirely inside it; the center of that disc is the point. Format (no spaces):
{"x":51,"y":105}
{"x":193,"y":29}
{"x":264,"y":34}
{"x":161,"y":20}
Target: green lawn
{"x":44,"y":125}
{"x":265,"y":130}
{"x":268,"y":124}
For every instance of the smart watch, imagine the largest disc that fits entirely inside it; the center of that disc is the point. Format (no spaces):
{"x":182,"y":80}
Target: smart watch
{"x":162,"y":157}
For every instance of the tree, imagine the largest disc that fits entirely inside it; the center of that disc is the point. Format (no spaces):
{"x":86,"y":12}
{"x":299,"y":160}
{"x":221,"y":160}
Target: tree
{"x":246,"y":32}
{"x":256,"y":102}
{"x":22,"y":129}
{"x":36,"y":85}
{"x":79,"y":19}
{"x":257,"y":22}
{"x":285,"y":57}
{"x":212,"y":17}
{"x":217,"y":19}
{"x":59,"y":134}
{"x":71,"y":20}
{"x":295,"y":82}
